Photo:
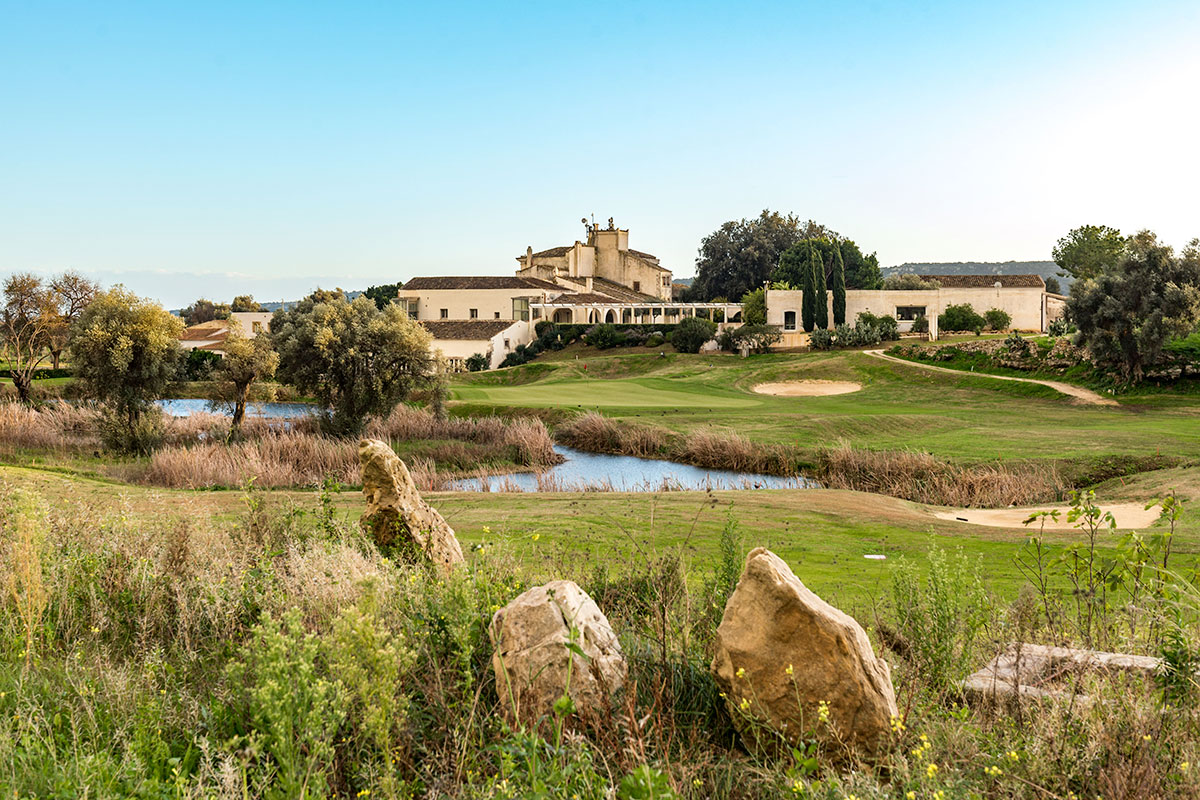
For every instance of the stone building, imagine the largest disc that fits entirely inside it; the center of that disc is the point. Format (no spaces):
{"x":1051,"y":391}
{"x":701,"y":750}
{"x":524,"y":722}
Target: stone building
{"x":1024,"y":297}
{"x":605,"y":256}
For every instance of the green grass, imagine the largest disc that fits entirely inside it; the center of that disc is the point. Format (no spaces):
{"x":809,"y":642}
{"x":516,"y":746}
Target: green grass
{"x":899,"y":407}
{"x":823,"y":534}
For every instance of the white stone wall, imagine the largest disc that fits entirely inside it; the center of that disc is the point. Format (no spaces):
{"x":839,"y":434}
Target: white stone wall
{"x":459,"y":302}
{"x":1024,"y":305}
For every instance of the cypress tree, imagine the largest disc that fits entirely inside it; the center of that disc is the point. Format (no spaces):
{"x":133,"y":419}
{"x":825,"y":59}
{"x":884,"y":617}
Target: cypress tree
{"x":822,"y":296}
{"x":809,"y":306}
{"x":837,"y":283}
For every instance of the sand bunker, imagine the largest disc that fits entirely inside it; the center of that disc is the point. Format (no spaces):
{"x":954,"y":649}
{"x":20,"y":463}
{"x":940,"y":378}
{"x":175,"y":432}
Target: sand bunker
{"x":1127,"y":515}
{"x":807,"y":388}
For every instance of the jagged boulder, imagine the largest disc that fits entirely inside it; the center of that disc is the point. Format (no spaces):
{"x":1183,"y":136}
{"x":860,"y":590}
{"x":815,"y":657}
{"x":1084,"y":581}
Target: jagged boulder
{"x":396,"y":516}
{"x":532,"y":636}
{"x":788,"y":660}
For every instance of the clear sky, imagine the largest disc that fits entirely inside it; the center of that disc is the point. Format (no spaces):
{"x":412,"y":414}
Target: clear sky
{"x":214,"y":147}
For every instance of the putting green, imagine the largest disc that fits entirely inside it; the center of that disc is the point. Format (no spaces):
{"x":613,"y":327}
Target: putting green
{"x":620,"y":393}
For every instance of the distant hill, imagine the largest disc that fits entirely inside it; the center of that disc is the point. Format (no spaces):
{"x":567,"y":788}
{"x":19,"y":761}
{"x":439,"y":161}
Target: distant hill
{"x":1047,"y":269}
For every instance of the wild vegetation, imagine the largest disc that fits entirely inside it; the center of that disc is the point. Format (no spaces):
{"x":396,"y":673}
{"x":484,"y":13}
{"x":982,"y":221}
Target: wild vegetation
{"x":152,"y":651}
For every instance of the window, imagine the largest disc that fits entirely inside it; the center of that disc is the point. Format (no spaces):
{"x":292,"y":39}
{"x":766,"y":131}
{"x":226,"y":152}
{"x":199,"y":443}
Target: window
{"x":506,"y":344}
{"x":637,"y":286}
{"x":496,"y":315}
{"x":909,"y":313}
{"x":474,"y":312}
{"x":410,"y":305}
{"x":537,"y":313}
{"x":445,"y":313}
{"x":256,"y":327}
{"x":520,"y":308}
{"x":789,"y":320}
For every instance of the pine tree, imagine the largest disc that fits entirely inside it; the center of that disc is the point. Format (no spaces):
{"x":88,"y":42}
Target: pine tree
{"x":837,"y":283}
{"x":809,"y":306}
{"x":822,"y":296}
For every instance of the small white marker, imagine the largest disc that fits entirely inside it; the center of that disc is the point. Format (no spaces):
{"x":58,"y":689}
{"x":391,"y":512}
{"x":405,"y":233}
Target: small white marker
{"x":876,"y":557}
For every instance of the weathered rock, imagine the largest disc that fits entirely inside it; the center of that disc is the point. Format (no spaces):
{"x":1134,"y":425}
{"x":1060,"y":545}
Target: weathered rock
{"x":782,"y":652}
{"x":531,"y":659}
{"x":1037,"y":672}
{"x":396,"y":516}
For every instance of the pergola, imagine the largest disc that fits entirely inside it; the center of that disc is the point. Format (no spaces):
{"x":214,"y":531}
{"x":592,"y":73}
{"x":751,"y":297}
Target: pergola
{"x":635,"y":313}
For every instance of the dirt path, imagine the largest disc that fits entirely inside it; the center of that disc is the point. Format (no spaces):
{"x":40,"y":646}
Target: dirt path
{"x":1086,"y":396}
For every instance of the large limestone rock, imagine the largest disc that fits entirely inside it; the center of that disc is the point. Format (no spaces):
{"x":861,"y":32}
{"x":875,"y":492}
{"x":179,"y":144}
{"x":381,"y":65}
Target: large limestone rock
{"x":531,"y":658}
{"x":396,"y":516}
{"x":781,"y":652}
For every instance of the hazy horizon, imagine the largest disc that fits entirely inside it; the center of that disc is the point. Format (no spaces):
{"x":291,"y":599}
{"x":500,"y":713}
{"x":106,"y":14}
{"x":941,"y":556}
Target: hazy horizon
{"x":222,"y":149}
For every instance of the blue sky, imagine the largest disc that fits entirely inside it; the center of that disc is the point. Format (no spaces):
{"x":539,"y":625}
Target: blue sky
{"x":210,"y":148}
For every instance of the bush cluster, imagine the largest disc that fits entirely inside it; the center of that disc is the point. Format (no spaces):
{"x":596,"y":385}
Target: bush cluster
{"x":868,"y":330}
{"x":961,"y":317}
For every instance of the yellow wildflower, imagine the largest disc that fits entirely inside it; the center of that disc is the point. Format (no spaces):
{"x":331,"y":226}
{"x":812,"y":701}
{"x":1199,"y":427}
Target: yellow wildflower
{"x":741,"y":673}
{"x":789,"y":669}
{"x":823,"y":711}
{"x":931,"y":770}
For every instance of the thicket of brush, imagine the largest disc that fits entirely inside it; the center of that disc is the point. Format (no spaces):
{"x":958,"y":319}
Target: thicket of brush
{"x":195,"y":452}
{"x":910,"y":475}
{"x":165,"y":653}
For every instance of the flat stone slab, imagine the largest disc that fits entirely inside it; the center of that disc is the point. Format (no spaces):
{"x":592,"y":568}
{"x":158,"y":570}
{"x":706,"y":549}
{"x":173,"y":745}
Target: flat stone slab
{"x":1031,"y":671}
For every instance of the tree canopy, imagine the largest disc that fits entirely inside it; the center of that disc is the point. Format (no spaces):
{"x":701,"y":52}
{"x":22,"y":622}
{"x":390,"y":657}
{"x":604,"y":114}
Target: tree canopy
{"x":861,"y":272}
{"x":246,"y":361}
{"x":1089,"y":250}
{"x":245,"y":302}
{"x":356,"y":359}
{"x":1128,"y":312}
{"x":27,"y":320}
{"x":383,"y":294}
{"x":125,"y":350}
{"x":204,"y":310}
{"x":741,"y":255}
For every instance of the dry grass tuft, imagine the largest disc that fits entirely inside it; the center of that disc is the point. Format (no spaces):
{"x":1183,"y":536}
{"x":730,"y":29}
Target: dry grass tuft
{"x":924,"y":479}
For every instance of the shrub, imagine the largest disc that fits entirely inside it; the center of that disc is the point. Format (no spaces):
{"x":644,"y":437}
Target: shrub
{"x":691,"y":334}
{"x":941,"y":616}
{"x":961,"y":317}
{"x":477,"y":363}
{"x":821,"y":339}
{"x":759,"y":338}
{"x":920,"y":324}
{"x":885,"y":325}
{"x":655,"y":340}
{"x":604,"y":336}
{"x":138,"y":435}
{"x":997,"y":319}
{"x":198,"y":364}
{"x":1060,"y":327}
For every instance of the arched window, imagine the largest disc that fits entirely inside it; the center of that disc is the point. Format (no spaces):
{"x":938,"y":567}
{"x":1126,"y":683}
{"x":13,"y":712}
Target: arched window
{"x":610,"y":317}
{"x":789,"y":320}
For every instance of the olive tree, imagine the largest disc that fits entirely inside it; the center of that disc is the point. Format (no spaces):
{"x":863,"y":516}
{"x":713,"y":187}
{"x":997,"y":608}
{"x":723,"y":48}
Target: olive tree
{"x":125,"y":351}
{"x":1126,"y":314}
{"x":27,"y":319}
{"x":246,"y":360}
{"x":356,"y":359}
{"x":691,"y":333}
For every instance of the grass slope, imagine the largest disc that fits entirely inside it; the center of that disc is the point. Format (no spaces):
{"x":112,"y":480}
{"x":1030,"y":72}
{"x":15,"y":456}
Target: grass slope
{"x":964,"y":417}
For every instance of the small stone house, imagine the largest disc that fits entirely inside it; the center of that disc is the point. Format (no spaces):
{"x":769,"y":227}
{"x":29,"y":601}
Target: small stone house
{"x":458,"y":340}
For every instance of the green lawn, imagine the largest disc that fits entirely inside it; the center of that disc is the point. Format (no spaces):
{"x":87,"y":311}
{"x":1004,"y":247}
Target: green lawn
{"x":965,"y":417}
{"x":824,"y":535}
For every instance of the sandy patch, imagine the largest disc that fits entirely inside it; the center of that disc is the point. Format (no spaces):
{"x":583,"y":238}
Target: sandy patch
{"x":1127,"y":515}
{"x":807,"y":388}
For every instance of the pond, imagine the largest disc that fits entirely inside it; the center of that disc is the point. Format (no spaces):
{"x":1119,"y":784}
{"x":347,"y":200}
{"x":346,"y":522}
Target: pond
{"x":583,"y":471}
{"x":185,"y":407}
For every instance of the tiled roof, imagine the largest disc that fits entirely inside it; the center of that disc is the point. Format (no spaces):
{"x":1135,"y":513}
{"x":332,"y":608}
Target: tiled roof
{"x":987,"y":281}
{"x":554,"y":252}
{"x":217,"y":329}
{"x":466,"y":329}
{"x":620,"y":291}
{"x":477,"y":282}
{"x":640,"y":254}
